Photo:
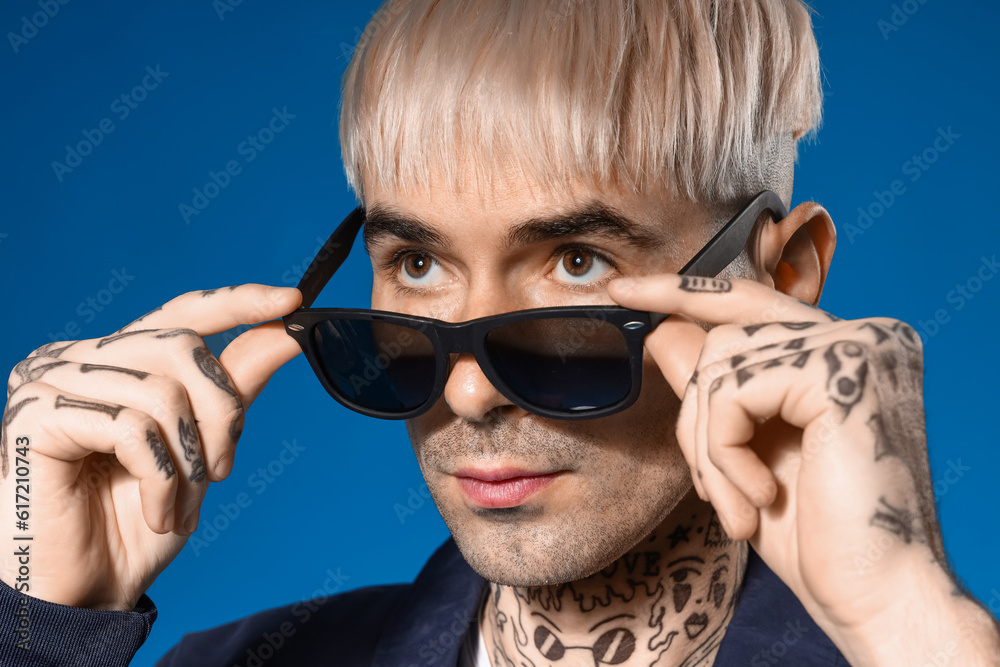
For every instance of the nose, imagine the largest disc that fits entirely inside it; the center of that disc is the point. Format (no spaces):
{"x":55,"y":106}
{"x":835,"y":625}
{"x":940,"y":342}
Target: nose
{"x":468,"y":392}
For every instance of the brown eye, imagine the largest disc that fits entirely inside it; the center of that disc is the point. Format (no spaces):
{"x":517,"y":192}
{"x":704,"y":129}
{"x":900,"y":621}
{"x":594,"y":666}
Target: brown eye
{"x":416,"y":266}
{"x":420,"y":270}
{"x":580,"y":266}
{"x":577,"y":263}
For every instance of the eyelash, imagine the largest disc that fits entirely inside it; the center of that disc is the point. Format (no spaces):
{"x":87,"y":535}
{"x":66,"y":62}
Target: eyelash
{"x":587,"y":287}
{"x":392,"y":266}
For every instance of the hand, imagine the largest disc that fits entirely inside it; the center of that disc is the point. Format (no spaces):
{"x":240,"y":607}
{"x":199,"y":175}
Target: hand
{"x":120,"y":436}
{"x":806,"y":433}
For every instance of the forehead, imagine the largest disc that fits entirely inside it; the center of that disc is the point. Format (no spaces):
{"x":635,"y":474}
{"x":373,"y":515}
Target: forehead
{"x":514,"y":205}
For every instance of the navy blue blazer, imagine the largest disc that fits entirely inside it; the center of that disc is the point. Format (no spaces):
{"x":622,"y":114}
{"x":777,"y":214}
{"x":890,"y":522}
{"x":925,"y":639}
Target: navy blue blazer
{"x":406,"y":625}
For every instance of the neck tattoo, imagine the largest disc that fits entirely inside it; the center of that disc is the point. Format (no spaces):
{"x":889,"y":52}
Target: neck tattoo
{"x":665,"y":603}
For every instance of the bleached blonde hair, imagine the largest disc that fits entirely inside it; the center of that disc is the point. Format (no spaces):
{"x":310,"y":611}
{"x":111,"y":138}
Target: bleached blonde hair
{"x":704,"y":98}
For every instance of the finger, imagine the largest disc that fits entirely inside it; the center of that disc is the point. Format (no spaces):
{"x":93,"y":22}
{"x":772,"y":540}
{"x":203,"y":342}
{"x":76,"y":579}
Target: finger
{"x":181,"y":354}
{"x":738,"y":515}
{"x":161,"y":397}
{"x":253,"y":357}
{"x":729,"y":429}
{"x":711,"y":300}
{"x":675,"y":346}
{"x":213,"y":311}
{"x":782,"y":386}
{"x":69,"y":427}
{"x":686,"y":424}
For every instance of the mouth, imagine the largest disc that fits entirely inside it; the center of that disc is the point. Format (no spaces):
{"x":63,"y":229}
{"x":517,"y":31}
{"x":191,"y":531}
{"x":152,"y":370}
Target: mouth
{"x":503,"y":487}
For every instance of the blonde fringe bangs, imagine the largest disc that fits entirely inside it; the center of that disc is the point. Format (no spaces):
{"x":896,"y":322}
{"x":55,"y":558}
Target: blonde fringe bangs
{"x":698,"y":97}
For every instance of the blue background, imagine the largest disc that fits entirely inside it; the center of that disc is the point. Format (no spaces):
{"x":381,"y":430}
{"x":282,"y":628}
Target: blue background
{"x":332,"y":508}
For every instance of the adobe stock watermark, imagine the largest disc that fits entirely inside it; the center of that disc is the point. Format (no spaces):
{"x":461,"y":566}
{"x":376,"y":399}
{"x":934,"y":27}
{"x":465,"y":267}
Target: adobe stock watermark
{"x":378,"y":19}
{"x":88,"y":308}
{"x":898,"y":17}
{"x":773,"y":654}
{"x":223,"y":7}
{"x":31,"y":25}
{"x":562,"y":12}
{"x":122,"y":107}
{"x":320,"y":253}
{"x":209,"y":529}
{"x":435,"y":648}
{"x":914,"y":169}
{"x":248,"y":149}
{"x":272,"y":642}
{"x":885,"y":542}
{"x":415,"y":499}
{"x":959,"y":297}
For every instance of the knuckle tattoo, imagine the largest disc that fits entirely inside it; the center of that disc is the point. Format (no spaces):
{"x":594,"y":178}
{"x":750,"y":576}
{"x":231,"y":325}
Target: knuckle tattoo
{"x":847,"y":365}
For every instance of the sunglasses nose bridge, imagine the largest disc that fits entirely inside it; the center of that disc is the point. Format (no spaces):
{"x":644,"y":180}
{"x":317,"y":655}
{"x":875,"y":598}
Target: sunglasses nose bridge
{"x":456,"y":339}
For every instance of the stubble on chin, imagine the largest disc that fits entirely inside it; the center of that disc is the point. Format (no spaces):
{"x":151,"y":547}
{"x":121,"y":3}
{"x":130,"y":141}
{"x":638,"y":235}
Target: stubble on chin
{"x":614,"y":493}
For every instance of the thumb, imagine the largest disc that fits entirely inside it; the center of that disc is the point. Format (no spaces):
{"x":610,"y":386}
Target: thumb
{"x":675,"y":346}
{"x":254,"y":356}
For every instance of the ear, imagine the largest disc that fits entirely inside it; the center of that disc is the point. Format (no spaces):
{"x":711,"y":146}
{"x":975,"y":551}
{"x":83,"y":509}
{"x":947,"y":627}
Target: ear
{"x":794,"y":255}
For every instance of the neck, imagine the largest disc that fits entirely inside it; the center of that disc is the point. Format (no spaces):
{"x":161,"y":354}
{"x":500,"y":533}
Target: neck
{"x":667,"y":602}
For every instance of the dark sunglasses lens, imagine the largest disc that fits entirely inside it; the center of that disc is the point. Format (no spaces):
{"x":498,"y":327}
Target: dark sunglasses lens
{"x":566,"y":364}
{"x":377,"y":365}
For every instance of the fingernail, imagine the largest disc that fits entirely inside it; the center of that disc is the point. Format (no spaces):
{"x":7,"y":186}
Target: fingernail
{"x":191,"y":523}
{"x":275,"y":293}
{"x":224,"y":467}
{"x":168,"y":520}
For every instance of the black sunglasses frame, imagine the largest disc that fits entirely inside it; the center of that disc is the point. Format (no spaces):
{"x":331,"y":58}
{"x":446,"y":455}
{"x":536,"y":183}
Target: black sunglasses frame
{"x":470,"y":337}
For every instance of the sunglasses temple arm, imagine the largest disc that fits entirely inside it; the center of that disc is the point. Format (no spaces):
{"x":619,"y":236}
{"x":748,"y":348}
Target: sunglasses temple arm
{"x":330,"y":257}
{"x":729,"y":242}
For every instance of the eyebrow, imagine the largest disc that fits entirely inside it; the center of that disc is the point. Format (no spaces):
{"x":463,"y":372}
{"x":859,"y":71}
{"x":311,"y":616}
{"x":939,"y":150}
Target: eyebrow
{"x":383,"y":221}
{"x":546,"y":619}
{"x":590,"y":219}
{"x":593,"y":218}
{"x":608,"y":620}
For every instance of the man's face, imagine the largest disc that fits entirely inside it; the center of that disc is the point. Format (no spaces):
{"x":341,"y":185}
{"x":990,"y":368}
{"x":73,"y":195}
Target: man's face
{"x":591,"y":489}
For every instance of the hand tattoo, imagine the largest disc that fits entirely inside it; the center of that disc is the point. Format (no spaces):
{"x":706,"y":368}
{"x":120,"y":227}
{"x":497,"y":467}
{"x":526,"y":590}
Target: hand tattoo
{"x":89,"y":368}
{"x":712,"y":285}
{"x":189,"y":443}
{"x":66,"y":402}
{"x":163,"y":461}
{"x":8,"y":417}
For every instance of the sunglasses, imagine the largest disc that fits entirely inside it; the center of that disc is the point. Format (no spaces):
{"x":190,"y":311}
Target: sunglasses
{"x":565,"y":362}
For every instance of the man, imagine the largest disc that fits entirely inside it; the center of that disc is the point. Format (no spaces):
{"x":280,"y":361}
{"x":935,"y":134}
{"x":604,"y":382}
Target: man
{"x":513,"y":156}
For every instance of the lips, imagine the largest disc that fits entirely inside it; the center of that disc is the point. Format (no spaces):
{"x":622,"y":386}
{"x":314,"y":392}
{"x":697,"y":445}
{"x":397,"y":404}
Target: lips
{"x":506,"y":487}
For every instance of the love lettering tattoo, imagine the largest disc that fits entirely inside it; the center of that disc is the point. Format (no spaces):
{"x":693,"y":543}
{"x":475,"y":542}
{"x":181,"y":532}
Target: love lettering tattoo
{"x":665,"y":602}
